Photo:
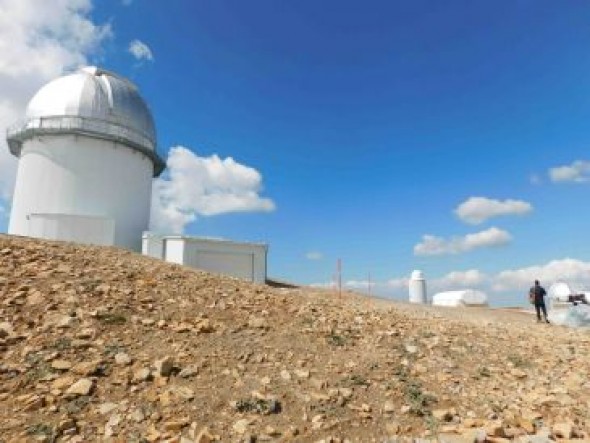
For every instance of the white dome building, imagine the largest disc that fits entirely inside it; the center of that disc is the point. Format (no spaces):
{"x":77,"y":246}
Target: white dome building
{"x":417,"y":288}
{"x":87,"y":156}
{"x":461,"y":298}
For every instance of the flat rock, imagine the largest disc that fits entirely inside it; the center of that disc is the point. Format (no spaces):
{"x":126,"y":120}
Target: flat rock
{"x":83,"y":386}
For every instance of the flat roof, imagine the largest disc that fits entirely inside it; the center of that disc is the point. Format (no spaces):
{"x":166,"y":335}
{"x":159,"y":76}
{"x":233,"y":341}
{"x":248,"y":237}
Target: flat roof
{"x":202,"y":239}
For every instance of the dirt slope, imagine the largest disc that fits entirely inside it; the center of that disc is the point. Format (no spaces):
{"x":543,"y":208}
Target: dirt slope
{"x":102,"y":344}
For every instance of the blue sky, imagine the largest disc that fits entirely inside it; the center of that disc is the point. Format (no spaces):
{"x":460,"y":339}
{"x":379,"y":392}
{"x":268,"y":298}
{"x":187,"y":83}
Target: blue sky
{"x":370,"y":122}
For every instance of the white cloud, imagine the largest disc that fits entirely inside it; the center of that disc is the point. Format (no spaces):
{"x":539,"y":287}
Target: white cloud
{"x":476,"y":210}
{"x":432,"y":245}
{"x":461,"y":279}
{"x":203,"y":186}
{"x":140,"y":50}
{"x":577,"y":172}
{"x":314,"y":255}
{"x":38,"y":42}
{"x":397,"y":283}
{"x":568,"y":269}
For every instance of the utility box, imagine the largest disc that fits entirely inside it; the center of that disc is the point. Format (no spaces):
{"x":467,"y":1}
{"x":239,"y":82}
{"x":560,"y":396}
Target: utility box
{"x":237,"y":259}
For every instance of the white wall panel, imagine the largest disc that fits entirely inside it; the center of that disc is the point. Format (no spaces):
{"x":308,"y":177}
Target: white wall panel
{"x":79,"y":229}
{"x":83,"y":176}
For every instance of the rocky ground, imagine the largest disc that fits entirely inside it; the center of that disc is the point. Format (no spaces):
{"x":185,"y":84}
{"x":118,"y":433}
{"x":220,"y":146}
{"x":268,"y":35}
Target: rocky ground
{"x":99,"y":344}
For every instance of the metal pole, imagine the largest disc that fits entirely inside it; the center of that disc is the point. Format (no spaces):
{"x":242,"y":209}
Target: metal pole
{"x":339,"y":278}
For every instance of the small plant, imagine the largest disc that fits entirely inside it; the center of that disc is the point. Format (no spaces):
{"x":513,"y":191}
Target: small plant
{"x":307,"y":321}
{"x":356,"y":380}
{"x":113,"y":349}
{"x":401,"y":373}
{"x":112,"y":318}
{"x":518,"y":361}
{"x":336,"y":340}
{"x":90,"y":285}
{"x":483,"y":371}
{"x":77,"y":405}
{"x":431,"y":424}
{"x":419,"y":401}
{"x":62,"y":343}
{"x":258,"y":406}
{"x":39,"y":369}
{"x":42,"y":429}
{"x":428,"y":334}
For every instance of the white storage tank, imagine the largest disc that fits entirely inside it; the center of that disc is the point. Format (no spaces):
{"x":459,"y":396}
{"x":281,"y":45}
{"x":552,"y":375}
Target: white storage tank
{"x":237,"y":259}
{"x":87,"y":156}
{"x":461,"y":298}
{"x":417,"y":288}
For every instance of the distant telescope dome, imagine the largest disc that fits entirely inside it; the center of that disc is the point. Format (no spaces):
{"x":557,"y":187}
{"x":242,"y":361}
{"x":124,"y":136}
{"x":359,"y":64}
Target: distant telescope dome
{"x":560,"y":291}
{"x":417,"y":288}
{"x":91,"y":102}
{"x":417,"y":275}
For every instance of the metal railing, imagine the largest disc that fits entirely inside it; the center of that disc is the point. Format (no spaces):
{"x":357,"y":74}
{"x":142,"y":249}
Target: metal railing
{"x":65,"y":123}
{"x":17,"y":133}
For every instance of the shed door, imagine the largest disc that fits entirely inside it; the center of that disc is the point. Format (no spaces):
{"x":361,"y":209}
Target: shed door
{"x":230,"y":263}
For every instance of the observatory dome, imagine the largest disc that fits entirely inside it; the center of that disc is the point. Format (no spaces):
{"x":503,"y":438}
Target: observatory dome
{"x":92,"y":102}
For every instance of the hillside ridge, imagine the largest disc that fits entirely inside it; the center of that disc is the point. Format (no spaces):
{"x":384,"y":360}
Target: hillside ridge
{"x":101,"y":344}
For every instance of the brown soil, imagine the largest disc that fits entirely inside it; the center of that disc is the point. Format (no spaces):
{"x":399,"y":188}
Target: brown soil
{"x":84,"y":330}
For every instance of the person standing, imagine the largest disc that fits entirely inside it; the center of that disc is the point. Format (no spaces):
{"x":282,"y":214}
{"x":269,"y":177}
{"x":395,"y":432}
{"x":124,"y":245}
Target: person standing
{"x":537,"y":293}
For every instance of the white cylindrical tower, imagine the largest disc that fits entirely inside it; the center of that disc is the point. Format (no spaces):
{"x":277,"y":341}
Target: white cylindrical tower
{"x":417,"y":288}
{"x":87,"y":155}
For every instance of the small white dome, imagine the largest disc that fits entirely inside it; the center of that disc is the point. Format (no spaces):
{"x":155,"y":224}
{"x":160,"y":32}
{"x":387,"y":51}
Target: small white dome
{"x":560,"y":291}
{"x":92,"y":102}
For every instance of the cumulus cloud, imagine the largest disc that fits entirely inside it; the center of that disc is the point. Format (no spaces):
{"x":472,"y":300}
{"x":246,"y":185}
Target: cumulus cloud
{"x":140,"y":50}
{"x":568,"y":269}
{"x":577,"y":172}
{"x":38,"y":42}
{"x":314,"y":255}
{"x":203,"y":186}
{"x":432,"y":245}
{"x":471,"y":278}
{"x":476,"y":210}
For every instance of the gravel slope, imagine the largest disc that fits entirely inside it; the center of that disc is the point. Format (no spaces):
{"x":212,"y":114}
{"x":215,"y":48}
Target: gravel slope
{"x":103,"y":344}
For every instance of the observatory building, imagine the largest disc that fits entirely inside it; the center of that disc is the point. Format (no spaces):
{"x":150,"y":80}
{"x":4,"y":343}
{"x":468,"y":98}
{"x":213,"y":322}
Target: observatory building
{"x":417,"y":288}
{"x":87,"y":156}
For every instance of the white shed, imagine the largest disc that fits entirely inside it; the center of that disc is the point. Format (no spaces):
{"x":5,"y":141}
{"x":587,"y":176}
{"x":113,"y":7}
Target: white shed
{"x":465,"y":297}
{"x":237,"y":259}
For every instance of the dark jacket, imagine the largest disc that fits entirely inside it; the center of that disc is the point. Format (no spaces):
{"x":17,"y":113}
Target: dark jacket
{"x":539,"y":292}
